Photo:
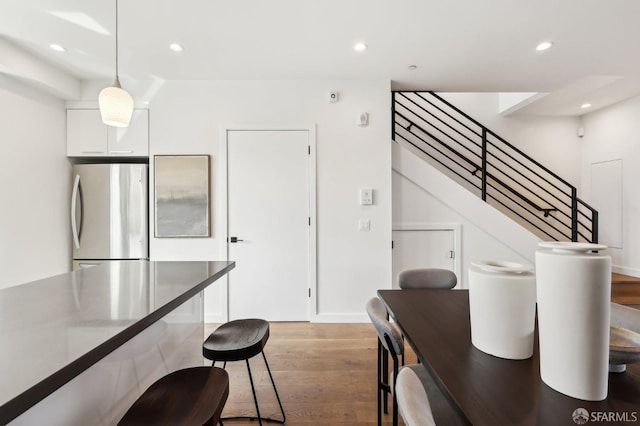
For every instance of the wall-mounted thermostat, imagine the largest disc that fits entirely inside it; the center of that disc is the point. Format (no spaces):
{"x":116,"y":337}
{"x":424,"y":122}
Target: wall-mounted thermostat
{"x":333,"y":97}
{"x":366,"y":196}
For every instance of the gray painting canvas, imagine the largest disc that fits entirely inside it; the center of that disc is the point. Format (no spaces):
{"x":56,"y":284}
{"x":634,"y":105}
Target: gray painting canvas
{"x":182,"y":195}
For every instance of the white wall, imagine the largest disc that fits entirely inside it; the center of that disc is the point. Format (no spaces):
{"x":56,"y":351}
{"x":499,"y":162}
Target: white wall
{"x":512,"y":101}
{"x":34,"y":178}
{"x":612,"y":134}
{"x":186,"y":118}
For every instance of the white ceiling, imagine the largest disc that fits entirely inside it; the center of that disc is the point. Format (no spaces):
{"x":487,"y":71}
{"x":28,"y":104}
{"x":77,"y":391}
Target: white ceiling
{"x":457,"y":45}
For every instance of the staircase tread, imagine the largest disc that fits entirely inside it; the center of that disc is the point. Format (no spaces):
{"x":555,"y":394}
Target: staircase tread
{"x":625,"y":290}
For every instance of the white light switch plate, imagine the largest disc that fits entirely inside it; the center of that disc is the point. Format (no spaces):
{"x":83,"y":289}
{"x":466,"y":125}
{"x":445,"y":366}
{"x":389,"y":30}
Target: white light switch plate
{"x":364,"y":225}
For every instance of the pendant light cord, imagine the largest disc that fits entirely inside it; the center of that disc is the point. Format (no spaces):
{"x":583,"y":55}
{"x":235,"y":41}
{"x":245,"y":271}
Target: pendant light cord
{"x":117,"y":78}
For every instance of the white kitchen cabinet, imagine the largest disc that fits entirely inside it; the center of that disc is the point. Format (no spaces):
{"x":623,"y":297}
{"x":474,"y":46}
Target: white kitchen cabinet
{"x":87,"y":136}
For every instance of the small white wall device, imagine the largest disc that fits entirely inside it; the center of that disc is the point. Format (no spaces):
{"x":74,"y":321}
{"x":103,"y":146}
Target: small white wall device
{"x":366,"y":196}
{"x":333,"y":97}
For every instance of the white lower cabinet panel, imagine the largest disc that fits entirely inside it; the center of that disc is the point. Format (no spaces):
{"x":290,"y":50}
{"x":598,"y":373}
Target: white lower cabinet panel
{"x":104,"y":392}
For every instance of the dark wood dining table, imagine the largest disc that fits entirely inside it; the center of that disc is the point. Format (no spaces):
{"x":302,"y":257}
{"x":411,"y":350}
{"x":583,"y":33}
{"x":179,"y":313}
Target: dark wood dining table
{"x":486,"y":390}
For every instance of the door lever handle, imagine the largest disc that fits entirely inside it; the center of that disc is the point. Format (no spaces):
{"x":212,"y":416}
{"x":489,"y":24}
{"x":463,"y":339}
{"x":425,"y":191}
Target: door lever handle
{"x":234,"y":240}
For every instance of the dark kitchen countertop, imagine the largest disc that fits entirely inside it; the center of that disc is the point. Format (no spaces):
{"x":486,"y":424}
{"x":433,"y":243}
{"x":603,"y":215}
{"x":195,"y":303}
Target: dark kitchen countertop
{"x":37,"y":320}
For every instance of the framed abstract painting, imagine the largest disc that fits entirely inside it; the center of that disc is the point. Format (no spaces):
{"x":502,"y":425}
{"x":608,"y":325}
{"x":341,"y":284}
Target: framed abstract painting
{"x":181,"y":196}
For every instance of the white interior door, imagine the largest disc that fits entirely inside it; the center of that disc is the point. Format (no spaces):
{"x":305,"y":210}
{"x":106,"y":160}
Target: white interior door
{"x":422,"y":249}
{"x":268,"y":224}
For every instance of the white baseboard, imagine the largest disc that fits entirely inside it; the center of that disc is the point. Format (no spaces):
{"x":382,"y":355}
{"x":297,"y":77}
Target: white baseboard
{"x":322,"y":318}
{"x":341,"y":318}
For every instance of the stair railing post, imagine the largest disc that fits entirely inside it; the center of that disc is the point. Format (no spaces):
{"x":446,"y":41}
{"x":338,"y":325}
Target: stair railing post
{"x":574,"y":214}
{"x":393,"y":116}
{"x":484,"y":164}
{"x":594,"y":226}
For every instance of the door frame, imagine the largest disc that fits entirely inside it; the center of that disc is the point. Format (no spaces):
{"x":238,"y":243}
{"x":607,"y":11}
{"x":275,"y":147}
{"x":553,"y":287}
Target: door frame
{"x":224,"y":206}
{"x":457,"y":240}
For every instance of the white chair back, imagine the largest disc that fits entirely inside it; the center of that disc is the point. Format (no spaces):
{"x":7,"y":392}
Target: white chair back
{"x":379,"y":318}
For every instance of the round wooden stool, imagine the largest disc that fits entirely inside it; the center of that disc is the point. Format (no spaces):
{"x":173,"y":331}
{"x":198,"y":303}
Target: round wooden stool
{"x":192,"y":396}
{"x":237,"y":341}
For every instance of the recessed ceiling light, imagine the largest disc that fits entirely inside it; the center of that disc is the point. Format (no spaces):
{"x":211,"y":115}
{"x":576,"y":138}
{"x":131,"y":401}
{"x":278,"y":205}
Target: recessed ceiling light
{"x":585,"y":106}
{"x":57,"y":47}
{"x":412,"y":67}
{"x":544,"y":45}
{"x":176,"y":47}
{"x":360,"y":47}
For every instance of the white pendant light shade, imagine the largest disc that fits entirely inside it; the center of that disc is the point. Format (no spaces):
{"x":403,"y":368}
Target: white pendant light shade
{"x":116,"y":105}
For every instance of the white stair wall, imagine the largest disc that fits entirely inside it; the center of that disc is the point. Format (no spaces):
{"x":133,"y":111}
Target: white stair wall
{"x":423,"y":195}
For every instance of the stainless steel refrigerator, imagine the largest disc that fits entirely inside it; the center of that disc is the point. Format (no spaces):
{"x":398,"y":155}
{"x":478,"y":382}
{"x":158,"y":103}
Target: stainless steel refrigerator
{"x":109,"y":213}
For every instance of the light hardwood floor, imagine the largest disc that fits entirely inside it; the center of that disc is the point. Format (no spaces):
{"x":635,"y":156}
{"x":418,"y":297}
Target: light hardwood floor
{"x":325,"y":373}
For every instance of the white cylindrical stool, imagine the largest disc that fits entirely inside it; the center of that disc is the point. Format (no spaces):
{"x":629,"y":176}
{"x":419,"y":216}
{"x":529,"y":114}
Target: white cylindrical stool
{"x":502,"y":307}
{"x":574,"y":303}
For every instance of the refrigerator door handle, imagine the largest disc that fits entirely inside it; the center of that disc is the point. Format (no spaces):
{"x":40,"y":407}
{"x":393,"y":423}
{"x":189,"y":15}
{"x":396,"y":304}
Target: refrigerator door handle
{"x":74,"y":200}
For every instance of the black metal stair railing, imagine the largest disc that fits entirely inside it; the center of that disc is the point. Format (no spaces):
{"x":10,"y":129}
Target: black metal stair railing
{"x":488,"y":165}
